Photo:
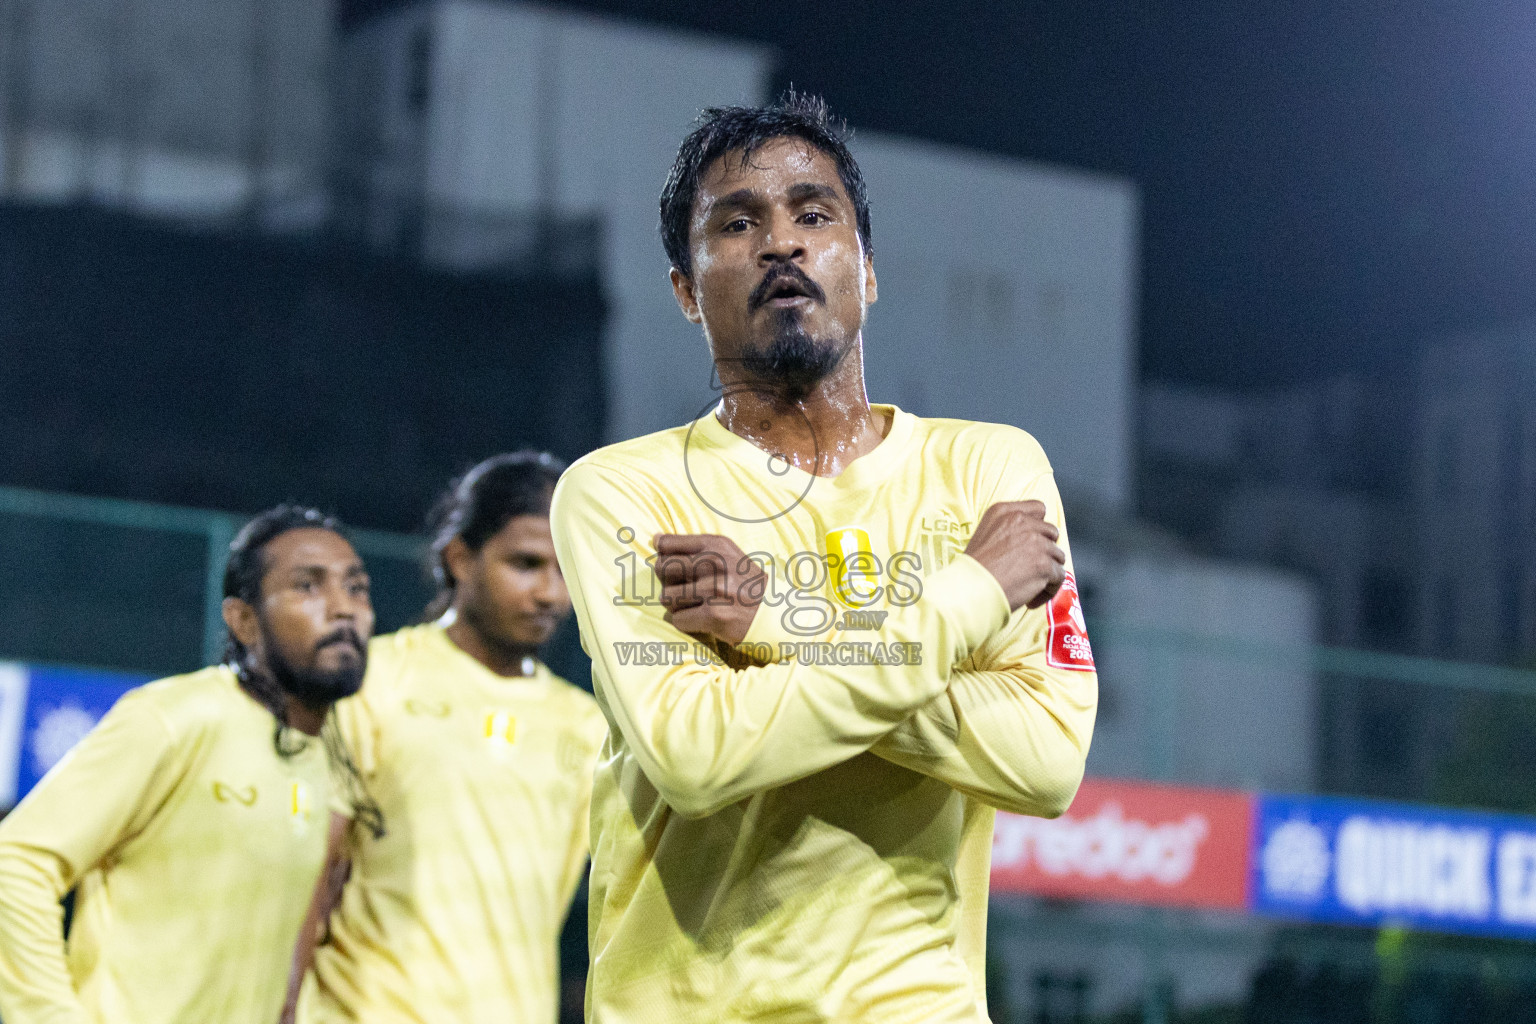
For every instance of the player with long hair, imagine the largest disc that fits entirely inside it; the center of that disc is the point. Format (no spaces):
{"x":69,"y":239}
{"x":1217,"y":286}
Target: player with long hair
{"x":481,"y":760}
{"x":191,"y":822}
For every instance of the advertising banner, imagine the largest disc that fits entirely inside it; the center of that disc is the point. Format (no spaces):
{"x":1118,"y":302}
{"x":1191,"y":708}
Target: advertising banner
{"x":13,"y":711}
{"x":58,"y":707}
{"x":1131,"y":842}
{"x":1323,"y":859}
{"x":1372,"y":863}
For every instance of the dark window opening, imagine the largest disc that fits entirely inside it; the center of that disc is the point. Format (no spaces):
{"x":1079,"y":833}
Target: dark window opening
{"x":1385,"y":603}
{"x":1447,"y":625}
{"x":1511,"y":607}
{"x":1447,"y":461}
{"x":418,"y":80}
{"x":1384,"y":737}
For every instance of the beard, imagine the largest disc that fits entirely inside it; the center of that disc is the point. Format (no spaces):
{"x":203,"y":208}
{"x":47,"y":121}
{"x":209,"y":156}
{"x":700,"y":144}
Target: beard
{"x":793,"y":362}
{"x":314,"y":687}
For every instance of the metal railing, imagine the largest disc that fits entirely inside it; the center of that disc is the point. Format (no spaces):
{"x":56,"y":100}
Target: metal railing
{"x":215,"y":530}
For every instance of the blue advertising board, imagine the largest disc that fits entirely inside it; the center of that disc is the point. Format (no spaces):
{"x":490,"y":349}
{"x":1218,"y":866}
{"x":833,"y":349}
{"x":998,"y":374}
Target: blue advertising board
{"x":1374,"y":863}
{"x":44,"y":711}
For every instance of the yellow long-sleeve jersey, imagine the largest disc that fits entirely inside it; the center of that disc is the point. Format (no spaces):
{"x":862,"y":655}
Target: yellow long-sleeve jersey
{"x":195,"y":846}
{"x":454,"y":914}
{"x":802,"y":832}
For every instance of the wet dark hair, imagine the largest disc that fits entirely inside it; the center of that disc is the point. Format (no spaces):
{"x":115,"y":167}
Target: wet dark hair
{"x":247,"y":565}
{"x":721,"y":130}
{"x":478,"y":504}
{"x":243,"y":575}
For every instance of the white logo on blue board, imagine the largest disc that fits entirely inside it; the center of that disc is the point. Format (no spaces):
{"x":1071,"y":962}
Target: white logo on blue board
{"x":1516,"y":860}
{"x":1430,"y":868}
{"x":1296,"y":862}
{"x":58,"y":730}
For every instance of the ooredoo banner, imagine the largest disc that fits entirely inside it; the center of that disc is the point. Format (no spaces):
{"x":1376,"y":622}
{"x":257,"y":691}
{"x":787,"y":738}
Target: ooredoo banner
{"x":1307,"y":858}
{"x":1131,"y":842}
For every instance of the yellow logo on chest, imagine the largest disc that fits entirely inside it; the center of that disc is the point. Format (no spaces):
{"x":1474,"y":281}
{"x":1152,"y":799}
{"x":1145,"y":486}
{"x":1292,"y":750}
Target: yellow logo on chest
{"x":500,"y":728}
{"x":852,"y":566}
{"x":300,"y":806}
{"x":941,"y":538}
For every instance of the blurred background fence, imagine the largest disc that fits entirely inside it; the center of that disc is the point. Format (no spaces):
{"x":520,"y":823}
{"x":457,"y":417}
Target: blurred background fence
{"x":140,"y":587}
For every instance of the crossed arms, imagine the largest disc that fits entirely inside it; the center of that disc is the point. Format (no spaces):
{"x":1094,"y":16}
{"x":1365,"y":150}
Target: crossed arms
{"x":982,"y":711}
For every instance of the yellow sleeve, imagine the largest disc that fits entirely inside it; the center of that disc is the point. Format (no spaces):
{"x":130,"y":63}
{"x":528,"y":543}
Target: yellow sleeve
{"x":707,"y":735}
{"x":581,"y":823}
{"x":102,"y":794}
{"x":1010,"y":730}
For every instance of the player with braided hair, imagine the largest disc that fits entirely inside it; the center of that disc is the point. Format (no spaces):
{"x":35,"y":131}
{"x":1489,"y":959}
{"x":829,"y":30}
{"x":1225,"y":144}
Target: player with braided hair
{"x":191,"y":822}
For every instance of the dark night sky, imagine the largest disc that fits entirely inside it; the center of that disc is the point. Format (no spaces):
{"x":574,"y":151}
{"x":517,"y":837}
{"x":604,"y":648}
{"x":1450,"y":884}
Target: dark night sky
{"x":1323,"y":184}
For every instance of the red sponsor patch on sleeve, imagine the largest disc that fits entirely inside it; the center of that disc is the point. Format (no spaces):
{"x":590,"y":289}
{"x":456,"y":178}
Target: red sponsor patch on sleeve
{"x":1066,"y":643}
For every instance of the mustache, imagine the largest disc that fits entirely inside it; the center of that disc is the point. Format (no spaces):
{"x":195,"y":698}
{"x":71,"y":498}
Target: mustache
{"x":778,"y":273}
{"x":343,"y":635}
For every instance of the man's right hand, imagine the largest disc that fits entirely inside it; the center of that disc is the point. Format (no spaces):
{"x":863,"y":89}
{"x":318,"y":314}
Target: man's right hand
{"x":1018,"y":546}
{"x":709,"y":588}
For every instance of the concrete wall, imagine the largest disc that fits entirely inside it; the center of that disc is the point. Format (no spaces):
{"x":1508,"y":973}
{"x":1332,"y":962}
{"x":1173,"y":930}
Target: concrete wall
{"x":169,"y":106}
{"x":1475,"y":494}
{"x":533,"y":108}
{"x":1007,"y":293}
{"x":1193,"y":713}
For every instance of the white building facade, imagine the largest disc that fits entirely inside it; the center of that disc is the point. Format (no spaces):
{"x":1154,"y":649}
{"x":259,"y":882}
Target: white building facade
{"x":179,"y":107}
